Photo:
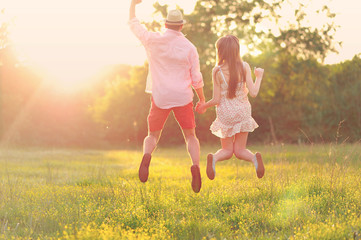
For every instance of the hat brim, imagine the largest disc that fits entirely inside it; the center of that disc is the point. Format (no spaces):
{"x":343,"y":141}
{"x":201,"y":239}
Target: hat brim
{"x":175,"y":23}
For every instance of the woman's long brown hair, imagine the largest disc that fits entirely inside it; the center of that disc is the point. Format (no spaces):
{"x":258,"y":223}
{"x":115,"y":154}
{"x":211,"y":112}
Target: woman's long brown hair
{"x":228,"y":52}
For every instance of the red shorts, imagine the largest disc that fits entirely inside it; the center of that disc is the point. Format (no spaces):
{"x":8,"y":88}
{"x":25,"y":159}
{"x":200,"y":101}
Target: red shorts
{"x":184,"y":116}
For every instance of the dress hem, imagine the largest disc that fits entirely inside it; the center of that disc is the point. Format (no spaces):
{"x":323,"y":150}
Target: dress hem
{"x":222,"y":131}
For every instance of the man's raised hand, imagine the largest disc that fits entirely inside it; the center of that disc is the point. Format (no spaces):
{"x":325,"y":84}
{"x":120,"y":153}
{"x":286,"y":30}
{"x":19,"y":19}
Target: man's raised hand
{"x":136,"y":1}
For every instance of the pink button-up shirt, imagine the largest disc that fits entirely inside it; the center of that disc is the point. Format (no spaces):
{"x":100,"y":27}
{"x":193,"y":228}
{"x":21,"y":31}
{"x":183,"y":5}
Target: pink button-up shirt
{"x":173,"y":63}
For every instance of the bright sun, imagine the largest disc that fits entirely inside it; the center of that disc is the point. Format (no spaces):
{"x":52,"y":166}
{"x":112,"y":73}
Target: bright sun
{"x":69,"y":41}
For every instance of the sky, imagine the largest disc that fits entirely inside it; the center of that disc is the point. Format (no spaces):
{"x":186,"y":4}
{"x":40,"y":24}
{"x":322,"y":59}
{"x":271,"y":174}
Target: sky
{"x":348,"y":17}
{"x":79,"y":37}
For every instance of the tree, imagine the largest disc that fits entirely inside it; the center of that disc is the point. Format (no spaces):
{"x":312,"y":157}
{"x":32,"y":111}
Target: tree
{"x":4,"y":42}
{"x":291,"y":53}
{"x":122,"y":108}
{"x":342,"y":101}
{"x":258,"y":24}
{"x":3,"y":32}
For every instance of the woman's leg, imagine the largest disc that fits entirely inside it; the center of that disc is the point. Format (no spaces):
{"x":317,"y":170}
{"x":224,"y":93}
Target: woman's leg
{"x":241,"y":152}
{"x":239,"y":147}
{"x":225,"y":153}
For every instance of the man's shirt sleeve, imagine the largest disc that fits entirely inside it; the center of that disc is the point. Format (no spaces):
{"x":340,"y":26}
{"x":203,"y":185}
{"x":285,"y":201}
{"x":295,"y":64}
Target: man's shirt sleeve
{"x":196,"y":75}
{"x":139,"y":31}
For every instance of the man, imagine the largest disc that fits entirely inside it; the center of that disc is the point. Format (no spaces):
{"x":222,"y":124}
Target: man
{"x":174,"y":70}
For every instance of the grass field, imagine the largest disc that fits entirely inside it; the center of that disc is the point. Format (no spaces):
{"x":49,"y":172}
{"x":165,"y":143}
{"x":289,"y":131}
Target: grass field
{"x":308,"y":192}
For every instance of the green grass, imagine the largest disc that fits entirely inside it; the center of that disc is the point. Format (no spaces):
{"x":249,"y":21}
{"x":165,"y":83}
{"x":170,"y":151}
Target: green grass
{"x":308,"y":192}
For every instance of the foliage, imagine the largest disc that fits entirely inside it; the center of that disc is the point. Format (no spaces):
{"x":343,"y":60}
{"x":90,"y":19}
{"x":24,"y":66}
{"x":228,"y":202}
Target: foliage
{"x":306,"y":40}
{"x":3,"y":44}
{"x":301,"y":99}
{"x":4,"y":32}
{"x":122,"y":110}
{"x":308,"y":191}
{"x":291,"y":55}
{"x":342,"y":103}
{"x":257,"y":23}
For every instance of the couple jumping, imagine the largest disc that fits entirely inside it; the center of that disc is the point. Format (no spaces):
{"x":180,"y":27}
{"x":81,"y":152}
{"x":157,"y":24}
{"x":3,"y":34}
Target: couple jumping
{"x":174,"y":70}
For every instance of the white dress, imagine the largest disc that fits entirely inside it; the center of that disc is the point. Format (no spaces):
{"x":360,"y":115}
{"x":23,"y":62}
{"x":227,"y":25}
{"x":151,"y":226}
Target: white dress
{"x":233,"y":115}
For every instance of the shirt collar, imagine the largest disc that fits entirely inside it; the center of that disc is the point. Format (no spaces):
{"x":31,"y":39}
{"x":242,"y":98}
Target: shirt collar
{"x":173,"y":32}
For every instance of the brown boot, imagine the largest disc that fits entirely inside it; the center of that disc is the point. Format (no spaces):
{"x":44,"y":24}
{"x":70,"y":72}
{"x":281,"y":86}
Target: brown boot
{"x":144,"y":167}
{"x":196,"y":178}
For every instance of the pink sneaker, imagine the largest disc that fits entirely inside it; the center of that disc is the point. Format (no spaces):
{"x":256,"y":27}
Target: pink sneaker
{"x":259,"y":165}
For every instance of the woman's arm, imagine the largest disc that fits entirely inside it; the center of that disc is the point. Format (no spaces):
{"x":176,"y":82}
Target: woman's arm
{"x":253,"y":87}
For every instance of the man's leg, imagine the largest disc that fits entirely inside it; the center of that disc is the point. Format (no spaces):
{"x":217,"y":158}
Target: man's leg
{"x":150,"y":143}
{"x":185,"y":119}
{"x":192,"y":145}
{"x":156,"y":120}
{"x":194,"y":152}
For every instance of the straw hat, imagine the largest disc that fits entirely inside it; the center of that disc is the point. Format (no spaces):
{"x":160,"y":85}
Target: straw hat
{"x":174,"y":17}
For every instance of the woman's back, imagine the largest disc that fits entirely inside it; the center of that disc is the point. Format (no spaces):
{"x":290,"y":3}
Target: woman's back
{"x":233,"y":114}
{"x":223,"y":77}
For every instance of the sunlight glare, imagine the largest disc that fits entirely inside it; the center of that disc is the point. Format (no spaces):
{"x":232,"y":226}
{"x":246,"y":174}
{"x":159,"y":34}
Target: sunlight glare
{"x":243,"y":49}
{"x":71,"y":41}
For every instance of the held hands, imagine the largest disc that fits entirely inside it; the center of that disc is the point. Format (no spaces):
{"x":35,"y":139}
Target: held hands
{"x":258,"y":72}
{"x":200,"y":107}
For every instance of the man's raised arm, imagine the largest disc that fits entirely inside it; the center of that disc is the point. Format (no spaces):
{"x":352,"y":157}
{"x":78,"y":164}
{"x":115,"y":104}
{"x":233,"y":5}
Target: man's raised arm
{"x":138,"y":29}
{"x":132,"y":8}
